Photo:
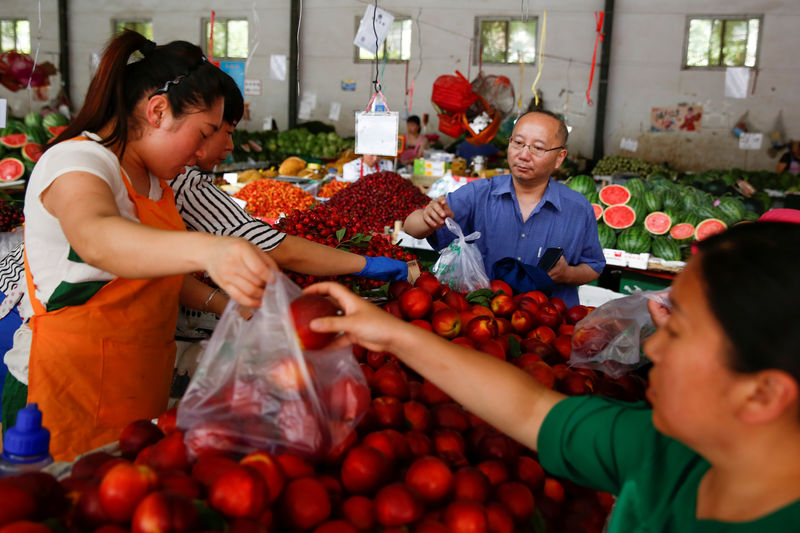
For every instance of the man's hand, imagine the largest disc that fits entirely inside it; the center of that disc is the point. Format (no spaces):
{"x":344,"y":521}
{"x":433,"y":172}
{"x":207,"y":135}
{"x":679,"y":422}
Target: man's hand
{"x":436,"y":212}
{"x":563,"y":272}
{"x":559,"y":272}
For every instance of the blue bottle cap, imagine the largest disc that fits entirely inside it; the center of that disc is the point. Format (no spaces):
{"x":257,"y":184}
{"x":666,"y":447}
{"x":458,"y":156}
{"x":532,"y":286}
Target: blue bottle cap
{"x":27,"y":441}
{"x":380,"y":107}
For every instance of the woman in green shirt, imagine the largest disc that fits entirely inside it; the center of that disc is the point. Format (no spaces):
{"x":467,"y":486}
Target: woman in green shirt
{"x":719,"y":450}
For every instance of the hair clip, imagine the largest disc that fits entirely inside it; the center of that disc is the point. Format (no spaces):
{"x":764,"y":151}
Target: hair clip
{"x":165,"y":88}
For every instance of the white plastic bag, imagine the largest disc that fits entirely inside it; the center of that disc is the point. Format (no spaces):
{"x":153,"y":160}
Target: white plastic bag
{"x":256,"y":389}
{"x":460,"y":265}
{"x":610,"y":338}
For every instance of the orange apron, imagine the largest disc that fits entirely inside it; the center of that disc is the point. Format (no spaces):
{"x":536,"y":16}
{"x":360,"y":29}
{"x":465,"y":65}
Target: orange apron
{"x":96,"y":367}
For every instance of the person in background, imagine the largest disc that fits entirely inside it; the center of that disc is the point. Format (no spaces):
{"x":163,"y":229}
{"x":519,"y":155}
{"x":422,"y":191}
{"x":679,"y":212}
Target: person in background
{"x":416,"y":143}
{"x":203,"y":207}
{"x":790,"y":161}
{"x":523,"y":214}
{"x":363,"y":166}
{"x":106,"y":252}
{"x":717,"y":448}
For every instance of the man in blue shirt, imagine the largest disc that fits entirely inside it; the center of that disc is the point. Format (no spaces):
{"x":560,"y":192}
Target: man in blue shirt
{"x":523,"y":214}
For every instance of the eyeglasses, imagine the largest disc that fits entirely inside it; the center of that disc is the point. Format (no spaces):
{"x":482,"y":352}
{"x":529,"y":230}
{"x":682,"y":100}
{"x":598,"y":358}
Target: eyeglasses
{"x":535,"y":151}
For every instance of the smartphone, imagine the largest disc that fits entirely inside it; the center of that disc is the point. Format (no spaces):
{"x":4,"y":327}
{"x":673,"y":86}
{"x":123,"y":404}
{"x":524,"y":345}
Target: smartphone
{"x":550,"y":258}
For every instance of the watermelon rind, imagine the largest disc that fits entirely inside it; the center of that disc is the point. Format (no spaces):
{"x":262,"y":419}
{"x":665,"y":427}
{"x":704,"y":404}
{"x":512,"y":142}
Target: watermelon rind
{"x":607,"y":236}
{"x":614,"y":195}
{"x":709,"y":227}
{"x":11,"y":169}
{"x":657,"y":223}
{"x":619,"y":216}
{"x":665,"y":248}
{"x":634,"y":240}
{"x":14,"y":140}
{"x":682,"y":232}
{"x":598,"y":211}
{"x":32,"y":151}
{"x":582,"y":183}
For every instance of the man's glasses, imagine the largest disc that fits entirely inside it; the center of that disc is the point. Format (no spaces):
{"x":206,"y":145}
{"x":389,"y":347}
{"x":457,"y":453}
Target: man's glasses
{"x":535,"y":151}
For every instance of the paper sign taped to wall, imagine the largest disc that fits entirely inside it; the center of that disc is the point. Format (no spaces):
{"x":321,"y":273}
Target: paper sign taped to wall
{"x":252,"y":87}
{"x":629,"y":144}
{"x":751,"y":141}
{"x":737,"y":80}
{"x":304,"y":112}
{"x":310,"y":98}
{"x":335,"y":110}
{"x":376,"y":133}
{"x":277,"y":67}
{"x":676,"y":118}
{"x":370,"y":25}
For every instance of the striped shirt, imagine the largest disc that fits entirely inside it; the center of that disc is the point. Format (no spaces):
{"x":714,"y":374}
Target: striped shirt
{"x":202,"y":206}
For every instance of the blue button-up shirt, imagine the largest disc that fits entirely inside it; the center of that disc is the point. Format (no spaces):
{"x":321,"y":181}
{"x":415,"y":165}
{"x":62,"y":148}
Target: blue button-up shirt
{"x":563,"y":219}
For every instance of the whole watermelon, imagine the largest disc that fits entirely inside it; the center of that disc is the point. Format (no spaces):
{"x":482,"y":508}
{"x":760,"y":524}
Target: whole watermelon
{"x":666,"y":248}
{"x":607,"y":236}
{"x":634,"y":240}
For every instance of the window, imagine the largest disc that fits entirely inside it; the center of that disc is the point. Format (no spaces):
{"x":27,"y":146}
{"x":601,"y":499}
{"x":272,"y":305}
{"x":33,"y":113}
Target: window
{"x":505,"y":40}
{"x":15,"y":34}
{"x":230,"y":38}
{"x":397,"y":45}
{"x":722,"y":41}
{"x":141,"y":26}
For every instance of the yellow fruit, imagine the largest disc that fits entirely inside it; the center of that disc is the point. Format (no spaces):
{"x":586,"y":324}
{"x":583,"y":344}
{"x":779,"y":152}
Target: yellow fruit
{"x":291,"y":166}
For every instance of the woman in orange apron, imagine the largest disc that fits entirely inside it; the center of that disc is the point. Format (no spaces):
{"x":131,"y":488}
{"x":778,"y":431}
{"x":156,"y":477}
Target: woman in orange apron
{"x":105,"y":248}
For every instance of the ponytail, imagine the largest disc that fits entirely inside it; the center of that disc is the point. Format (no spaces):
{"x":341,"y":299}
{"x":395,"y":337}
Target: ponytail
{"x":178,"y":69}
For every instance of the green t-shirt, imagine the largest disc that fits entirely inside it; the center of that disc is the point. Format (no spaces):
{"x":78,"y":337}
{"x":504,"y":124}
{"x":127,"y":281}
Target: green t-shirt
{"x":613,"y":446}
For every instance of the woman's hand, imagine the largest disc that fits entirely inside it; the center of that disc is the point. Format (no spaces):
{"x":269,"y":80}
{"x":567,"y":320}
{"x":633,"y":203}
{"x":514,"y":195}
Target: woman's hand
{"x":436,"y":212}
{"x":240,"y":268}
{"x":362,"y":322}
{"x":659,"y":312}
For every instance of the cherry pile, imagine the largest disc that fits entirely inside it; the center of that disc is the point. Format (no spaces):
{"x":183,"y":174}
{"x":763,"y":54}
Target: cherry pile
{"x":328,"y":226}
{"x":10,"y":216}
{"x":269,"y":198}
{"x":378,"y":200}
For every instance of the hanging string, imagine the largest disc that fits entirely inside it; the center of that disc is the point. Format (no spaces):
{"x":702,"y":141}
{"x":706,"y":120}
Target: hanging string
{"x":210,"y":53}
{"x":256,"y":41}
{"x":598,"y":19}
{"x":35,"y":55}
{"x":410,"y":91}
{"x":521,"y":74}
{"x":541,"y":59}
{"x":375,"y":84}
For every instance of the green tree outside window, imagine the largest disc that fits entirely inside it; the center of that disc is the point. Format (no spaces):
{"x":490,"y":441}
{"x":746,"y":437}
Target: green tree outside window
{"x":15,"y":34}
{"x":231,"y":37}
{"x":722,"y":42}
{"x":507,"y":40}
{"x":397,"y":45}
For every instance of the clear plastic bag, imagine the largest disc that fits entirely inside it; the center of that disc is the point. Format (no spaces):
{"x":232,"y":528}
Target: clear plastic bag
{"x":256,"y":389}
{"x":460,"y":265}
{"x":610,"y":338}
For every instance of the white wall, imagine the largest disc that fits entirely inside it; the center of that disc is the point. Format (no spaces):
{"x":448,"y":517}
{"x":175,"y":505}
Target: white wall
{"x":647,"y":47}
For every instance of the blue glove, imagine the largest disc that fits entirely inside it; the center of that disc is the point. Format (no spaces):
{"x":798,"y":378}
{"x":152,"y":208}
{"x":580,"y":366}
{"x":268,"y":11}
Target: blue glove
{"x":385,"y":269}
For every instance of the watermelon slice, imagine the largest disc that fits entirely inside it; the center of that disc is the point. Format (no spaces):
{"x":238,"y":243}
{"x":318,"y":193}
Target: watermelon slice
{"x":682,"y":232}
{"x":15,"y":140}
{"x":709,"y":227}
{"x":657,"y":223}
{"x":55,"y":131}
{"x":598,"y":211}
{"x":32,"y":151}
{"x":619,"y":216}
{"x":11,"y":169}
{"x":614,"y":195}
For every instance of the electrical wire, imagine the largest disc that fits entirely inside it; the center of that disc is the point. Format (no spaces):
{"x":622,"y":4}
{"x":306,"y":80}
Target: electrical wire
{"x":375,"y":84}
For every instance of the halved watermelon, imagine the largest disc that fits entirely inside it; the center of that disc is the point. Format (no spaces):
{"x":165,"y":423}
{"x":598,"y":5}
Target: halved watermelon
{"x":615,"y":195}
{"x":598,"y":211}
{"x":682,"y":232}
{"x":11,"y":169}
{"x":619,"y":216}
{"x":15,"y":140}
{"x":55,"y":131}
{"x":709,"y":227}
{"x":657,"y":223}
{"x":32,"y":151}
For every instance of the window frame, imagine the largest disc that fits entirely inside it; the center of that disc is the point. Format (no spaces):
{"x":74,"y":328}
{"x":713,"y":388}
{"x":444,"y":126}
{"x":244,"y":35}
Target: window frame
{"x":476,"y":52}
{"x":361,"y":61}
{"x":17,"y":20}
{"x":135,"y":20}
{"x":204,"y":36}
{"x":722,"y":17}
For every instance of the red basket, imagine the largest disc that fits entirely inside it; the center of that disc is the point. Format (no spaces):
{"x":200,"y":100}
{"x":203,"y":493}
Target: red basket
{"x":453,"y":93}
{"x":452,"y":125}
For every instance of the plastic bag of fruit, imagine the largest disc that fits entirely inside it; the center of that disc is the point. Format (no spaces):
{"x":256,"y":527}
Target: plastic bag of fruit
{"x":610,"y":338}
{"x":255,"y":388}
{"x":460,"y":265}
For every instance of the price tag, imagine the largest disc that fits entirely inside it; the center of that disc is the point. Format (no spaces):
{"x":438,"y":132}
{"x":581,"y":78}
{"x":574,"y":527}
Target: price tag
{"x":615,"y":257}
{"x":376,"y":132}
{"x":231,"y":177}
{"x":750,"y":141}
{"x":3,"y":104}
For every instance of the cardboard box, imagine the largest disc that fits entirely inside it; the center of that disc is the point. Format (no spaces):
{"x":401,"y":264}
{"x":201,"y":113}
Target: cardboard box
{"x":427,"y":167}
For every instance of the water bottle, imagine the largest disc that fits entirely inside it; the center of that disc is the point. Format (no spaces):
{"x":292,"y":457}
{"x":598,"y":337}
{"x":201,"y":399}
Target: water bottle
{"x":26,"y":446}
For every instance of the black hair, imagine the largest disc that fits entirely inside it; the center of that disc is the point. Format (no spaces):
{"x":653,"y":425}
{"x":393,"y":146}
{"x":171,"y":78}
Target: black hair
{"x":414,"y":119}
{"x":178,"y":69}
{"x":234,"y":101}
{"x":563,"y":132}
{"x":750,"y":278}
